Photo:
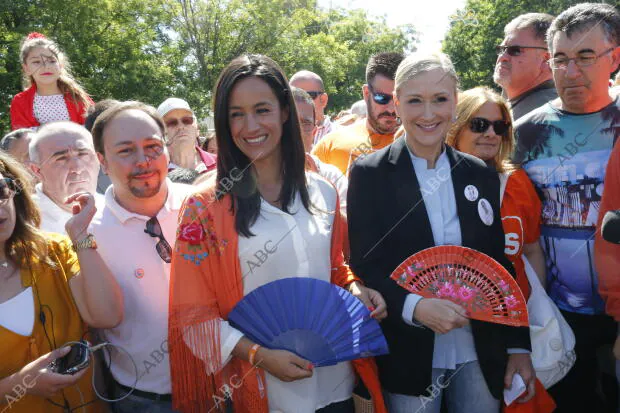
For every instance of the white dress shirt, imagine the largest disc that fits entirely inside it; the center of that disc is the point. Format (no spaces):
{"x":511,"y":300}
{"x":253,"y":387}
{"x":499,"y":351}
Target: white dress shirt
{"x":456,"y":346}
{"x":293,"y":245}
{"x":144,"y":279}
{"x":53,"y":217}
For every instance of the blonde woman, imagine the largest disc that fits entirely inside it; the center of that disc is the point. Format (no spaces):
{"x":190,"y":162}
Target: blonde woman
{"x":415,"y":194}
{"x":484,"y":129}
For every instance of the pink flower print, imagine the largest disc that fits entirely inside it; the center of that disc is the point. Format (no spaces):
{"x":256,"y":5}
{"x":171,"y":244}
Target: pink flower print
{"x":466,"y":293}
{"x":503,"y":285}
{"x":511,"y":301}
{"x":446,"y":290}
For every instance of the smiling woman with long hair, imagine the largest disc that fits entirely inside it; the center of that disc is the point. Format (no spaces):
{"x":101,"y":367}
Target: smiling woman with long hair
{"x":262,"y":219}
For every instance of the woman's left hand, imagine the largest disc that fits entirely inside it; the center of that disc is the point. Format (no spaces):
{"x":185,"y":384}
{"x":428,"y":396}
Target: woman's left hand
{"x":521,"y":363}
{"x":371,"y":298}
{"x":83,"y":212}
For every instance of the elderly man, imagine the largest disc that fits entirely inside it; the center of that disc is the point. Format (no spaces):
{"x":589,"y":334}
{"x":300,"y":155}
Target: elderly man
{"x":521,"y":69}
{"x":344,"y":146}
{"x":312,"y":84}
{"x":63,"y":159}
{"x":182,"y":135}
{"x":564,"y":147}
{"x":16,"y":144}
{"x":135,"y":233}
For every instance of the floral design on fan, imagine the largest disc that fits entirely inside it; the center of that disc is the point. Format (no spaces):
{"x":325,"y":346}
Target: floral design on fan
{"x":410,"y":272}
{"x":511,"y":301}
{"x":458,"y":292}
{"x":199,"y":234}
{"x":503,"y":285}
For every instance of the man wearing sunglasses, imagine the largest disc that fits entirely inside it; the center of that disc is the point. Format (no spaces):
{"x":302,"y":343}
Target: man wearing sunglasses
{"x":564,"y":146}
{"x":182,"y":135}
{"x":313,"y":85}
{"x":521,"y":68}
{"x":344,"y":146}
{"x":63,"y":159}
{"x":135,"y":233}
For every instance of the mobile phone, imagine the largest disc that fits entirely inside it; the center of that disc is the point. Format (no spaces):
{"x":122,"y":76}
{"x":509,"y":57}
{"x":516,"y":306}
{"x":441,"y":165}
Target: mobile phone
{"x":75,"y":360}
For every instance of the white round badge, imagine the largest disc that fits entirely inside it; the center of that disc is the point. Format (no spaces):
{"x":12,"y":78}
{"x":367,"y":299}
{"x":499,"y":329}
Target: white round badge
{"x":471,"y":193}
{"x":485,"y":211}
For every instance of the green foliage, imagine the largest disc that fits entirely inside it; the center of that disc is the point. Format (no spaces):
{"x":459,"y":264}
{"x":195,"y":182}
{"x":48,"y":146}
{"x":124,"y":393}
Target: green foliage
{"x":479,"y":27}
{"x":152,"y":49}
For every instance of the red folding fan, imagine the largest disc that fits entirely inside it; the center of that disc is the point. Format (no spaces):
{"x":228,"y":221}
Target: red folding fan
{"x":468,"y":278}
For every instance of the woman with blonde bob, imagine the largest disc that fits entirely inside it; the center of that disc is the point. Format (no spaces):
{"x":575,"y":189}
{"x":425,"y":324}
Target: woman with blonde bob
{"x":415,"y":194}
{"x":484,"y":129}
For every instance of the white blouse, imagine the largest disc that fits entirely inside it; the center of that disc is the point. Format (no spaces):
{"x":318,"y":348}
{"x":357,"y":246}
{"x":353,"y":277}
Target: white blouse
{"x":50,"y":108}
{"x":293,"y":245}
{"x":17,"y":313}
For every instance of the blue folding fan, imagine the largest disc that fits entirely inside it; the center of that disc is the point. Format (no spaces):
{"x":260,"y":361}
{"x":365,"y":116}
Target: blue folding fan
{"x":314,"y":319}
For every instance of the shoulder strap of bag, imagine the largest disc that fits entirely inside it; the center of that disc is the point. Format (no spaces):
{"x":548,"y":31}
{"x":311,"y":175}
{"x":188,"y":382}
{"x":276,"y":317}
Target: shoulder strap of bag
{"x":503,"y":180}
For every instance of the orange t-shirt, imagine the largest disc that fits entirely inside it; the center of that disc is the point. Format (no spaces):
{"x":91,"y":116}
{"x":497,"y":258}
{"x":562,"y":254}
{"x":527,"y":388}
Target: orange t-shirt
{"x":343,"y":146}
{"x":606,"y":254}
{"x":521,"y":219}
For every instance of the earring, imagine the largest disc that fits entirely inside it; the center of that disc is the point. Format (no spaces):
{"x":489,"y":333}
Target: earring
{"x":398,"y":120}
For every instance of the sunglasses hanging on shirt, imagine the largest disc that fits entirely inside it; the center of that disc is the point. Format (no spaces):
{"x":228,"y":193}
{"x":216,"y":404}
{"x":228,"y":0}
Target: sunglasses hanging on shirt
{"x":163,"y":248}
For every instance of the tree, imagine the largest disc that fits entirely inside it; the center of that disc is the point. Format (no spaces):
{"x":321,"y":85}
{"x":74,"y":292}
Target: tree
{"x":149,"y":50}
{"x":117,"y":48}
{"x":335,"y":44}
{"x":479,"y":27}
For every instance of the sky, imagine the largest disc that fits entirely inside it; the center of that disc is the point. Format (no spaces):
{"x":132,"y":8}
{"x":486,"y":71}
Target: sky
{"x":431,"y":18}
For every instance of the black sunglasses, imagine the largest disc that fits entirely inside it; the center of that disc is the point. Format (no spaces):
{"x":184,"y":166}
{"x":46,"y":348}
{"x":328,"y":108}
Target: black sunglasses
{"x":515,"y":50}
{"x":481,"y":125}
{"x":314,"y":93}
{"x":380,"y":98}
{"x":163,"y":248}
{"x":185,"y":120}
{"x":8,"y":189}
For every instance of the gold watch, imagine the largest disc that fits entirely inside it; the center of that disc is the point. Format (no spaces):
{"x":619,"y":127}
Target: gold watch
{"x":86,"y":243}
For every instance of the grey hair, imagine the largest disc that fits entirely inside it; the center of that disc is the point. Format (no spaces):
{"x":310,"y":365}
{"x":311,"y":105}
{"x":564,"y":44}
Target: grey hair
{"x":359,"y":108}
{"x":54,"y":128}
{"x":301,"y":96}
{"x":418,"y":63}
{"x":584,"y":16}
{"x":7,"y":140}
{"x":537,"y":22}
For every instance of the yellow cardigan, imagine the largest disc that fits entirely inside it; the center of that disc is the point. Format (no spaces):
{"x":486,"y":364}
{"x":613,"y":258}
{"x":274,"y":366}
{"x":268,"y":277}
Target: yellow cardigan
{"x":53,"y":299}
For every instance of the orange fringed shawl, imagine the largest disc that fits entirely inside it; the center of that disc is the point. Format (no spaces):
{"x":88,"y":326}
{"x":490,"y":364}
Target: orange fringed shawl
{"x":205,"y":285}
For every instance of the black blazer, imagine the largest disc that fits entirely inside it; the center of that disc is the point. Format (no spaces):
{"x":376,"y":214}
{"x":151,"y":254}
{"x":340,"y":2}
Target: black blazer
{"x":388,"y":222}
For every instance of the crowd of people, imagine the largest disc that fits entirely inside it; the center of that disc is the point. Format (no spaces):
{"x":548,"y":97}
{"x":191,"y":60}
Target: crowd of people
{"x":122,"y":224}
